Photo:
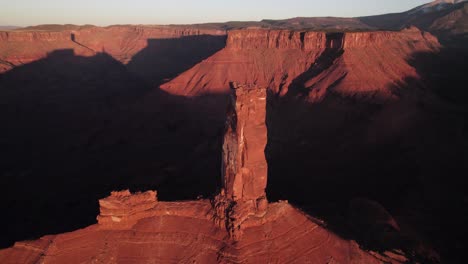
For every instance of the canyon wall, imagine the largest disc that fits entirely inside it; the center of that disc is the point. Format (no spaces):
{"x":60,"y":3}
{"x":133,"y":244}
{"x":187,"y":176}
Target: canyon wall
{"x":275,"y":39}
{"x":276,"y":59}
{"x":407,"y":36}
{"x":351,"y":62}
{"x":13,"y":36}
{"x":121,"y":42}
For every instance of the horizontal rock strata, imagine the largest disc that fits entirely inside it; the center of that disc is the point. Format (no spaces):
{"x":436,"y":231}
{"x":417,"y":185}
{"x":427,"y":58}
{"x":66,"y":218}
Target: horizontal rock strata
{"x":174,"y":232}
{"x":352,"y":63}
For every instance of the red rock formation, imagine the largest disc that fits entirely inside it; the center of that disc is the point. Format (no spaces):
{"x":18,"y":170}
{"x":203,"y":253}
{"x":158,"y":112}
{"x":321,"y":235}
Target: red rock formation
{"x":362,"y":63}
{"x":123,"y":210}
{"x":184,"y":232}
{"x":121,"y":42}
{"x":13,"y":36}
{"x":266,"y":58}
{"x":244,"y":167}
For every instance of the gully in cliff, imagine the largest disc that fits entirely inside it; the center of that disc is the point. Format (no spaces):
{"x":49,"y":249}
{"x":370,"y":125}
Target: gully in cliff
{"x":244,"y":167}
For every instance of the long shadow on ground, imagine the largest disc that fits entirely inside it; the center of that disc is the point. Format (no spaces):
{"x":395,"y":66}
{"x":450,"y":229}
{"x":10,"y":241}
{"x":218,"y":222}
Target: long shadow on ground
{"x":75,"y":128}
{"x":409,"y":156}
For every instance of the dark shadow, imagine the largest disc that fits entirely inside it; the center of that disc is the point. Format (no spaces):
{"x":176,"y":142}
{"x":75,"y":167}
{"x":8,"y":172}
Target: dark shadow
{"x":164,"y":59}
{"x":332,"y":52}
{"x":73,"y":39}
{"x":51,"y":111}
{"x":408,"y":155}
{"x":445,"y":188}
{"x":75,"y":128}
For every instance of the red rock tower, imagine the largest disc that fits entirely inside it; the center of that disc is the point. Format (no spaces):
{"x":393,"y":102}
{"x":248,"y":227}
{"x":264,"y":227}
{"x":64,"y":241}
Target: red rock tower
{"x":244,"y":167}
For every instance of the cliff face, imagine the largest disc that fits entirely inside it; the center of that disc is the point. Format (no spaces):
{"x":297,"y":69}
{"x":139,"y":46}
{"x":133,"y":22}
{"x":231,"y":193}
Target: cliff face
{"x":275,"y":39}
{"x":267,"y":58}
{"x":363,"y":62}
{"x":121,"y":42}
{"x":13,"y":36}
{"x":411,"y":36}
{"x":277,"y":59}
{"x":244,"y":167}
{"x":286,"y":39}
{"x":140,"y":32}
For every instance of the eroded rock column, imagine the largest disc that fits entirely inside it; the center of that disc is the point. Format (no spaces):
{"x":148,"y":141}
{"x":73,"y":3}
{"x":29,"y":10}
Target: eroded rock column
{"x":244,"y":167}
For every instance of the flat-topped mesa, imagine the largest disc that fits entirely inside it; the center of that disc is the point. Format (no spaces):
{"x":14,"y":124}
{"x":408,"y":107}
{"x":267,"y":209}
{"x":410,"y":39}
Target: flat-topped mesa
{"x":143,"y":32}
{"x":244,"y":167}
{"x":248,"y":39}
{"x":411,"y":36}
{"x":162,"y":31}
{"x":123,"y":209}
{"x":27,"y":36}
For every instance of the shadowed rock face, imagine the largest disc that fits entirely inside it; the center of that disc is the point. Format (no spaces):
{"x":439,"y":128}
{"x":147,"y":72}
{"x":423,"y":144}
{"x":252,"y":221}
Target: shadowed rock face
{"x":238,"y":226}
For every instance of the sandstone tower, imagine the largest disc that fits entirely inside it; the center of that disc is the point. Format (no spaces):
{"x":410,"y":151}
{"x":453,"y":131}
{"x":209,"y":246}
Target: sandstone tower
{"x":244,"y":167}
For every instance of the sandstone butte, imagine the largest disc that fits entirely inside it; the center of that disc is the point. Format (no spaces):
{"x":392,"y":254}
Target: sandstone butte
{"x":238,"y":225}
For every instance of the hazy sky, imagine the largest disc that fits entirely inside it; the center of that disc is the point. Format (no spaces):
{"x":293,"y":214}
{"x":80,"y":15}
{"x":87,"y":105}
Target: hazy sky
{"x":105,"y":12}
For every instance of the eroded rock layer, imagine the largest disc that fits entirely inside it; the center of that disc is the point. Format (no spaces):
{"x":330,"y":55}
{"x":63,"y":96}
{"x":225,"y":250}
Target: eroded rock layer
{"x":184,"y":232}
{"x":121,"y":42}
{"x":350,"y":63}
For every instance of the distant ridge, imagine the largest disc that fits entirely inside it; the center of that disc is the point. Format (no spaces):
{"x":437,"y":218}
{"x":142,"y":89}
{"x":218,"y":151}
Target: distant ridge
{"x":436,"y":5}
{"x":444,"y":18}
{"x":8,"y":27}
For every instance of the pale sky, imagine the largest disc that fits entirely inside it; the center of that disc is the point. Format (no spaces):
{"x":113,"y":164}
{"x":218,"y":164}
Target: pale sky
{"x":107,"y":12}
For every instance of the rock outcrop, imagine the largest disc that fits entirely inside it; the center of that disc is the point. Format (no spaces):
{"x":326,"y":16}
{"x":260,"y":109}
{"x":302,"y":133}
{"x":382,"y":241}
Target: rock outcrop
{"x":123,"y":210}
{"x":244,"y":170}
{"x":184,"y":232}
{"x":275,"y":39}
{"x":244,"y":167}
{"x":14,"y":36}
{"x":419,"y":40}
